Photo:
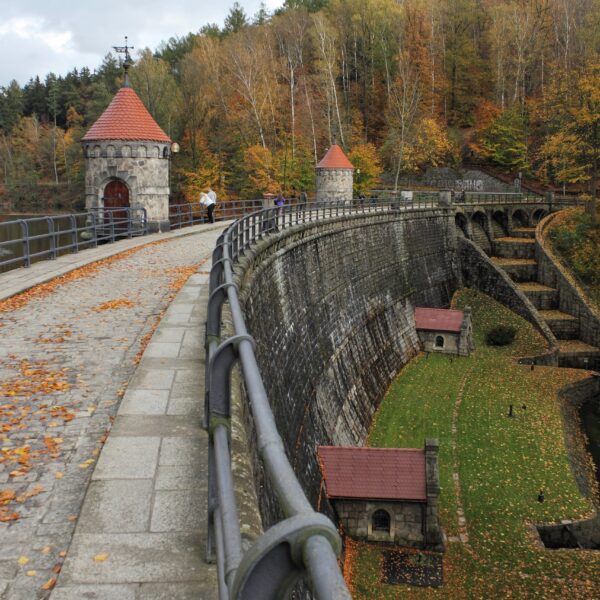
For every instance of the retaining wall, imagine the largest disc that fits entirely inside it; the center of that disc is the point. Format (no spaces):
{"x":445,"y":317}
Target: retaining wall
{"x":480,"y":273}
{"x":330,"y":305}
{"x":583,"y":533}
{"x":572,"y":297}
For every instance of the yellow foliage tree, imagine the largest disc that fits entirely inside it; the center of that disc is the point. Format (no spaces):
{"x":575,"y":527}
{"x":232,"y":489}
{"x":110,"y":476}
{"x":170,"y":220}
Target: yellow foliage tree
{"x":366,"y":161}
{"x":259,"y":167}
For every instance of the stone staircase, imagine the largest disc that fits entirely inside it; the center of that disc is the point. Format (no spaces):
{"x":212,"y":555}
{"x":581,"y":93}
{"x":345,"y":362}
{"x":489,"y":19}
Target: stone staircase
{"x":516,"y":256}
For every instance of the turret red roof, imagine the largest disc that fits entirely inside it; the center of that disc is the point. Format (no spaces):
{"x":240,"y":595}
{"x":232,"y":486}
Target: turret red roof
{"x":374,"y":473}
{"x":439,"y":319}
{"x":335,"y":159}
{"x":126,"y":118}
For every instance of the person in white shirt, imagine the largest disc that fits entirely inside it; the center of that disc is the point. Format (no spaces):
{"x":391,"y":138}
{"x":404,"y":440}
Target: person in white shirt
{"x":210,"y":201}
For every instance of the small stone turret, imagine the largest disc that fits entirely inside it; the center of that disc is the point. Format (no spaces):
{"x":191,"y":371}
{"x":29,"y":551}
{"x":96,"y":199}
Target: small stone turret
{"x":335,"y":177}
{"x":127,"y":160}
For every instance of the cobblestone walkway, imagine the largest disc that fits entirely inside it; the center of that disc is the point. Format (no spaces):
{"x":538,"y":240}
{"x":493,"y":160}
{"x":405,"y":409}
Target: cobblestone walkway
{"x":66,"y":357}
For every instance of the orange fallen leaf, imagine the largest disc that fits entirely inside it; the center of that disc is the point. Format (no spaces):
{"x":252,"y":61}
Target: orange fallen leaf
{"x":101,"y":557}
{"x":49,"y":584}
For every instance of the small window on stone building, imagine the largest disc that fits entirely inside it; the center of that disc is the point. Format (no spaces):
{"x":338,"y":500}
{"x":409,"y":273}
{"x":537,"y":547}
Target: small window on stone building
{"x":381,"y":521}
{"x":439,"y":341}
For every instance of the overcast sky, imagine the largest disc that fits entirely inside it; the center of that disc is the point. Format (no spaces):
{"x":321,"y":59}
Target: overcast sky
{"x":42,"y":36}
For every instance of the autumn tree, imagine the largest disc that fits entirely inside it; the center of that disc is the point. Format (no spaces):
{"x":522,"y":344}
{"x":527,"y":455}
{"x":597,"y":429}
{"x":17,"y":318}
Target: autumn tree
{"x":503,"y":142}
{"x":367,"y":166}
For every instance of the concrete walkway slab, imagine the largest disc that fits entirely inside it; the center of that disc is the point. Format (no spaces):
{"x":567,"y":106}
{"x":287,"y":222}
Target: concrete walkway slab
{"x":145,"y":514}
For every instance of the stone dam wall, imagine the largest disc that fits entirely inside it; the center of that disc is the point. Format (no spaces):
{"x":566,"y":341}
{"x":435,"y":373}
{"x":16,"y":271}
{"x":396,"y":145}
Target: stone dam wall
{"x":330,"y":305}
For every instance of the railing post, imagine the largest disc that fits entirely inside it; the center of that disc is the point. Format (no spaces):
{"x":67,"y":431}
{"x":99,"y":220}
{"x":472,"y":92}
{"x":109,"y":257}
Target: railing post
{"x":51,"y":238}
{"x":94,"y":229}
{"x":129,"y":214}
{"x":25,"y":240}
{"x":74,"y":242}
{"x":112,"y":225}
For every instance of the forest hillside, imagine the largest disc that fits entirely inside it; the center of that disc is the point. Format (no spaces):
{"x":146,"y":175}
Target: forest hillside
{"x":400,"y":84}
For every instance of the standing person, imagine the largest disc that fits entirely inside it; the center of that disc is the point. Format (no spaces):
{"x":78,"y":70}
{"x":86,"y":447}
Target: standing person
{"x":302,"y":200}
{"x":212,"y":202}
{"x":280,"y":200}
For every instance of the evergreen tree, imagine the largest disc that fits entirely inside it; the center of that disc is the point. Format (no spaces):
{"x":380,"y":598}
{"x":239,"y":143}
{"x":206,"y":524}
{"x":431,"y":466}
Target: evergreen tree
{"x":235,"y":20}
{"x":34,"y":98}
{"x":11,"y":106}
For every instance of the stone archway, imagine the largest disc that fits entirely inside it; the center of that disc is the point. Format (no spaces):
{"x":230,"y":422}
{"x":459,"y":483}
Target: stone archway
{"x":462,"y":224}
{"x":520,"y":219}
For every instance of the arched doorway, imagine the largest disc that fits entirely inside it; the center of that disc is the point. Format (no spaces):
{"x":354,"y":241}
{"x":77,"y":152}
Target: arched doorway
{"x":116,"y":198}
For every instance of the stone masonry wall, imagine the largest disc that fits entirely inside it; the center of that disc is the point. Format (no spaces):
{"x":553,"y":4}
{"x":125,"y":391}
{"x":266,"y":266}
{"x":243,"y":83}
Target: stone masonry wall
{"x":480,"y":273}
{"x":141,"y":165}
{"x":572,"y":298}
{"x":584,"y":533}
{"x":330,"y":305}
{"x":334,"y":185}
{"x":406,"y":521}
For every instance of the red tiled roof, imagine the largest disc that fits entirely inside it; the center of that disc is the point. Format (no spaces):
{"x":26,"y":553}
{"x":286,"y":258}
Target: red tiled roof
{"x":126,"y":118}
{"x":373,"y":473}
{"x":439,"y":319}
{"x":335,"y":159}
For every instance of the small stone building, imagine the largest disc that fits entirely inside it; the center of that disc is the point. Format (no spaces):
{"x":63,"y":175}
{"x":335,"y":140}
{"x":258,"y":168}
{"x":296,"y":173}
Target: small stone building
{"x":445,"y":330}
{"x":127,"y":160}
{"x":385,"y":494}
{"x":335,"y":177}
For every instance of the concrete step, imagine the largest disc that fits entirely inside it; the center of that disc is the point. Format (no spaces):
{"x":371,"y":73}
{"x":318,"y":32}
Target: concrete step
{"x":578,"y":355}
{"x":563,"y":325}
{"x":519,"y":269}
{"x":524,"y":232}
{"x":514,"y":247}
{"x":541,"y":296}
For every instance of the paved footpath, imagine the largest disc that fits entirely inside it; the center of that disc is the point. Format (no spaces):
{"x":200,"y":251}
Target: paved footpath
{"x":84,"y":514}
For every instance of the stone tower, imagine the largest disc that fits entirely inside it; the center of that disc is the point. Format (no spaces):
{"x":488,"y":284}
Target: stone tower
{"x":127,"y":159}
{"x":335,"y":175}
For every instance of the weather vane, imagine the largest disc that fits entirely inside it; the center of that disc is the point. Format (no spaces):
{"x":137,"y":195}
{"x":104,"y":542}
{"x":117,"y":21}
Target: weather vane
{"x":124,"y":50}
{"x":127,"y":62}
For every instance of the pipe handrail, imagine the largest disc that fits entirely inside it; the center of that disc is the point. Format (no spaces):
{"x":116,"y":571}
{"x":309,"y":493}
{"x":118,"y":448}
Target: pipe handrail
{"x":311,"y":538}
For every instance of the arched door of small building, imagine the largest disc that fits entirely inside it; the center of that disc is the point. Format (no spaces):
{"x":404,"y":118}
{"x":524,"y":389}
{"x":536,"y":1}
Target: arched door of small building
{"x":116,"y":196}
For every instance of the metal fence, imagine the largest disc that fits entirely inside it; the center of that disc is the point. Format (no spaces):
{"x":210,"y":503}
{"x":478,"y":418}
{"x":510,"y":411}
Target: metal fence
{"x":305,"y":544}
{"x":182,"y":215}
{"x":24,"y":241}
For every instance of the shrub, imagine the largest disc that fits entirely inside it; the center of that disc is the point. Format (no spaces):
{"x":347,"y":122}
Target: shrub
{"x":500,"y":336}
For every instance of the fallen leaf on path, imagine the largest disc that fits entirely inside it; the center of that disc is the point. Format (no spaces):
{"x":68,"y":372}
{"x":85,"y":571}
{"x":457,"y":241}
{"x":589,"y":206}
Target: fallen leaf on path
{"x":49,"y":584}
{"x":100,"y":557}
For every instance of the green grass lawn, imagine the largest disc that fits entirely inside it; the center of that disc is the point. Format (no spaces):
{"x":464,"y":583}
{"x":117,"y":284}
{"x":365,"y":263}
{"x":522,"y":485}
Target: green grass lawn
{"x":502,"y":463}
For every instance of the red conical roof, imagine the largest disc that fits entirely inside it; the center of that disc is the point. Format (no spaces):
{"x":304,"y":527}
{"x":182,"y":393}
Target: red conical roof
{"x":335,"y":159}
{"x":126,"y":118}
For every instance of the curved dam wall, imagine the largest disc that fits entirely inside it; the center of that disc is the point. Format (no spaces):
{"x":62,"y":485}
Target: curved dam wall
{"x":330,"y":305}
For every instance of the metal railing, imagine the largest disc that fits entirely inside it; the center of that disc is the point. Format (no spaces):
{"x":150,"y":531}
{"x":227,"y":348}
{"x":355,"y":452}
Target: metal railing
{"x":24,"y":241}
{"x":182,"y":215}
{"x":305,"y":544}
